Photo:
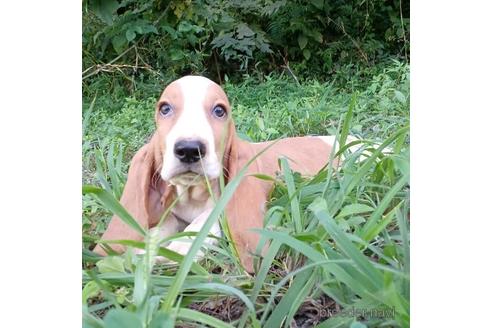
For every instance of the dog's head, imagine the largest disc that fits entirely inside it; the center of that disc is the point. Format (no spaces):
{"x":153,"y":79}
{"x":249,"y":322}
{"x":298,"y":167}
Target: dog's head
{"x":193,"y":118}
{"x":195,"y":138}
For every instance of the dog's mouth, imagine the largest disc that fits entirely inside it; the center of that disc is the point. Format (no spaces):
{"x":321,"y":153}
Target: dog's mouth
{"x":191,"y":174}
{"x":187,"y":178}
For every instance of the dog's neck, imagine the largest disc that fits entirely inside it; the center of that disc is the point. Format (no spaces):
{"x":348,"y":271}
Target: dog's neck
{"x":195,"y":199}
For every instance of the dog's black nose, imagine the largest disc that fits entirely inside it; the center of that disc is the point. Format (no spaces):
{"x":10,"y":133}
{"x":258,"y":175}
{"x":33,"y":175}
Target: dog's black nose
{"x":189,"y":151}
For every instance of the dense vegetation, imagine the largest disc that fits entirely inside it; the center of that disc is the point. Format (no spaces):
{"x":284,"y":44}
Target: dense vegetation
{"x":135,"y":40}
{"x":339,"y":240}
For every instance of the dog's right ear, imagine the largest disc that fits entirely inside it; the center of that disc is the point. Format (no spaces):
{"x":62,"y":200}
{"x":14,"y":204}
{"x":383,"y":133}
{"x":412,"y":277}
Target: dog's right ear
{"x":144,"y":197}
{"x":246,"y":209}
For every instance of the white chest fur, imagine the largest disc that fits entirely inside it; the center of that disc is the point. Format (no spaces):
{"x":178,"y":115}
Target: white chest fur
{"x":193,"y":201}
{"x":194,"y":205}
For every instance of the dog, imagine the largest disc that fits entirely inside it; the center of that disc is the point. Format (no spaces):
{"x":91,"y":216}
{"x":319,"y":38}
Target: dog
{"x":194,"y":143}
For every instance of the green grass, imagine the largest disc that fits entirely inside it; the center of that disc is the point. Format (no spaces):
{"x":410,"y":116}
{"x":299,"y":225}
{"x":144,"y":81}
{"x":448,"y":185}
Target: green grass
{"x":339,"y":241}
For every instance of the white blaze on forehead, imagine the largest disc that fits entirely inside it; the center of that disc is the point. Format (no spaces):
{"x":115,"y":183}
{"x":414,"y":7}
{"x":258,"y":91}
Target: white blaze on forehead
{"x":192,"y":124}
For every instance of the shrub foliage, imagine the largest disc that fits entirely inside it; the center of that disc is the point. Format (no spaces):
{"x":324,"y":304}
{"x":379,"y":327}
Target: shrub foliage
{"x":228,"y":37}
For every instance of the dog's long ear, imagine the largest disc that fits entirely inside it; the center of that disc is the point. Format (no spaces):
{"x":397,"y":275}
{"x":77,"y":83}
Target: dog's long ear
{"x":144,"y":197}
{"x":245,"y":210}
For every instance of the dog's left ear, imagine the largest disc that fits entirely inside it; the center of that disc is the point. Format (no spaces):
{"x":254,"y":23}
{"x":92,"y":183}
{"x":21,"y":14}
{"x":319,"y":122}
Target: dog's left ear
{"x":246,"y":209}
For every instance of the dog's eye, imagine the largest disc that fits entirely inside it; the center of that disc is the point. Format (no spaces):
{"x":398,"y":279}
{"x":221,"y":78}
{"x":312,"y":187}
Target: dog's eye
{"x":165,"y":110}
{"x":219,"y":111}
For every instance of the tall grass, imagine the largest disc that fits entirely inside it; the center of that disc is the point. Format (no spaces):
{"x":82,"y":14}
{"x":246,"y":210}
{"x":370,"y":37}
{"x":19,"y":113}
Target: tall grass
{"x":338,"y":255}
{"x":343,"y":235}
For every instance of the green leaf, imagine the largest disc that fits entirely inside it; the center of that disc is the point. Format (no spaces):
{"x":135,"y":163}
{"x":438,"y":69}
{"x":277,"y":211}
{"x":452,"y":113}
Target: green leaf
{"x":383,"y":205}
{"x":294,"y":201}
{"x":260,"y":123}
{"x":113,"y":171}
{"x":91,"y":289}
{"x":162,"y":320}
{"x":111,"y":264}
{"x":302,"y":40}
{"x":114,"y":206}
{"x":356,"y":220}
{"x":244,"y":31}
{"x":346,"y":122}
{"x":263,"y":177}
{"x":144,"y":267}
{"x":87,"y":115}
{"x":119,"y":42}
{"x":288,"y":278}
{"x":184,"y":26}
{"x":265,"y":267}
{"x":162,"y":251}
{"x":225,"y":289}
{"x":290,"y":299}
{"x":192,"y":315}
{"x":336,"y":322}
{"x":104,"y":9}
{"x":130,"y":34}
{"x":301,"y":296}
{"x":306,"y":53}
{"x":316,"y":256}
{"x":345,"y":245}
{"x":354,"y":209}
{"x":118,"y":318}
{"x":176,"y":54}
{"x":317,"y":36}
{"x":369,"y":232}
{"x":369,"y":163}
{"x":318,"y":3}
{"x":400,"y":97}
{"x":89,"y":320}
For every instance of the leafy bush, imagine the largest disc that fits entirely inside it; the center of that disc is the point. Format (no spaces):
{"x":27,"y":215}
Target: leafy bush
{"x":218,"y":38}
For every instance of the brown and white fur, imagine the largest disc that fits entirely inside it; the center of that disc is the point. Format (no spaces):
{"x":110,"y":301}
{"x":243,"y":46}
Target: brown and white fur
{"x":157,"y":176}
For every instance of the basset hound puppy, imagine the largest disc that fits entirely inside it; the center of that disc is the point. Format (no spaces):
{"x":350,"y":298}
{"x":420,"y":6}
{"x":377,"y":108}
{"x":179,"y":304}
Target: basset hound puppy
{"x":195,"y":138}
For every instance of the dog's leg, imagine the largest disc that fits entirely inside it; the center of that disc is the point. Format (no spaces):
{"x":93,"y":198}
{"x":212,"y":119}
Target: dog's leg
{"x":169,"y":227}
{"x":183,"y":244}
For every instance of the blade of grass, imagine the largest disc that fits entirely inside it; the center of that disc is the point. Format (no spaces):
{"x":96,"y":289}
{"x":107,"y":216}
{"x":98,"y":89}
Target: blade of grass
{"x":346,"y":122}
{"x":289,"y":299}
{"x":143,"y":269}
{"x":300,"y":297}
{"x":265,"y":266}
{"x":88,"y":114}
{"x":385,"y":202}
{"x":373,"y":230}
{"x":370,"y":161}
{"x":287,"y":278}
{"x":113,"y":173}
{"x":316,"y":256}
{"x":226,"y":290}
{"x":291,"y":188}
{"x":114,"y":206}
{"x":320,"y":210}
{"x":195,"y":316}
{"x":119,"y":278}
{"x":162,"y":251}
{"x":101,"y":177}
